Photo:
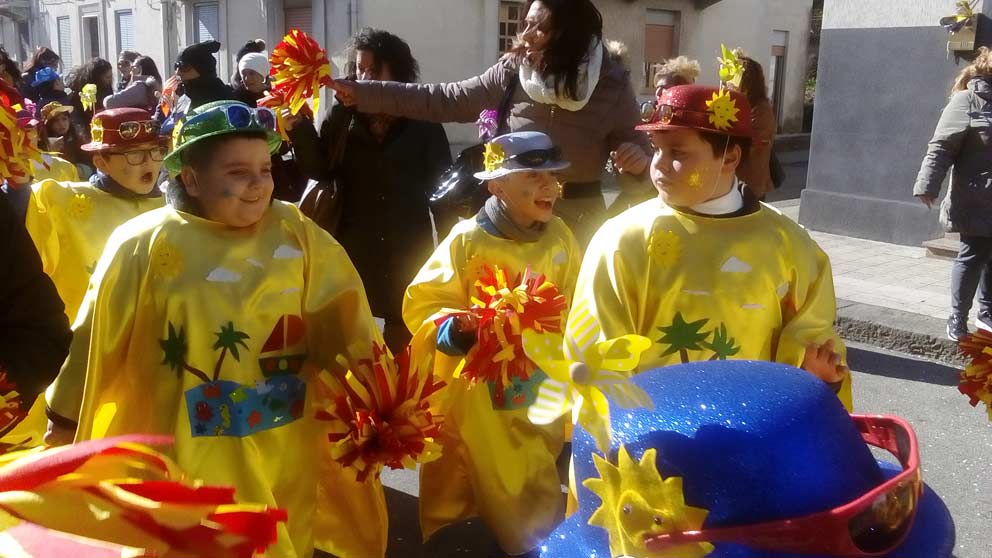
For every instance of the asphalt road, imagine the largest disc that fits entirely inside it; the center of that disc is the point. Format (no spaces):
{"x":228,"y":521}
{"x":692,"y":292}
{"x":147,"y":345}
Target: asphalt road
{"x":955,"y":446}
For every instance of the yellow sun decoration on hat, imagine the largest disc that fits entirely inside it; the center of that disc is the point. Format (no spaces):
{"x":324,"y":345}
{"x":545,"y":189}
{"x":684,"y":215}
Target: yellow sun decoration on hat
{"x":637,"y":503}
{"x":665,"y":248}
{"x":722,"y":110}
{"x":494,"y":156}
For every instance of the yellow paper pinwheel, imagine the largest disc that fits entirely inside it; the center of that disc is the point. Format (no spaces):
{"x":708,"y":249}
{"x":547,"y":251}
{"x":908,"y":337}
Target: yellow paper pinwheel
{"x":731,"y":67}
{"x":88,"y":96}
{"x":586,"y":386}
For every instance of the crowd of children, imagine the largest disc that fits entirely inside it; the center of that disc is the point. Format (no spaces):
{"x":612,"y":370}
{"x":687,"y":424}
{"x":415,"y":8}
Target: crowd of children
{"x":209,"y":312}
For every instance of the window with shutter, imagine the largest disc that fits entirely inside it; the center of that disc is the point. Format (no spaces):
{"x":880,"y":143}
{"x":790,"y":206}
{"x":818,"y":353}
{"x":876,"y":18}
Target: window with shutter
{"x":299,"y":18}
{"x":661,"y":41}
{"x":206,"y":22}
{"x":125,"y":30}
{"x":65,"y":41}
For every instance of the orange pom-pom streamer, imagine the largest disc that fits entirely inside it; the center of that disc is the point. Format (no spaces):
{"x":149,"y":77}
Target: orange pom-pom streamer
{"x":16,"y":149}
{"x":300,"y":67}
{"x":120,"y":491}
{"x":277,"y":102}
{"x":380,"y":413}
{"x":505,"y":309}
{"x":976,"y":378}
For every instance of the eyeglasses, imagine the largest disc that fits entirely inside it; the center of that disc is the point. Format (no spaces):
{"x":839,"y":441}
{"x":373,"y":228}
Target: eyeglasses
{"x":652,"y":112}
{"x":536,"y":157}
{"x":873,"y":524}
{"x":130,"y":130}
{"x":156,"y":154}
{"x":238,"y":117}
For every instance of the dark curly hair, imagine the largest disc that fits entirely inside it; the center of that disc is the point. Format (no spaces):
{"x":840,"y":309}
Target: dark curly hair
{"x":388,"y":49}
{"x":571,"y":27}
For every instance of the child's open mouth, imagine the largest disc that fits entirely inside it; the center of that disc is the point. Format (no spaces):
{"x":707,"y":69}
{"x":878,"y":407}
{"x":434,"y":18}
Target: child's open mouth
{"x":547,"y":205}
{"x":148,"y":177}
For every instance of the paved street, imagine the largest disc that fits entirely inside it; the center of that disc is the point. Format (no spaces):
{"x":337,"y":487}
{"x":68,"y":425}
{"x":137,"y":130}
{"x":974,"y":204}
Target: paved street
{"x":955,"y":446}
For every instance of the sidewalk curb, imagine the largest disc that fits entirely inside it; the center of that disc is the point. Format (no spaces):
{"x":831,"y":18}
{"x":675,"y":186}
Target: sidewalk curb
{"x":897,"y":330}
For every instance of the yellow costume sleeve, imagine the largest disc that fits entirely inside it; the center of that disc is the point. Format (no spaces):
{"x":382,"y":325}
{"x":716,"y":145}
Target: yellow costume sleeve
{"x":39,"y":223}
{"x":112,"y":296}
{"x":340,"y":322}
{"x":811,"y":308}
{"x":438,"y":284}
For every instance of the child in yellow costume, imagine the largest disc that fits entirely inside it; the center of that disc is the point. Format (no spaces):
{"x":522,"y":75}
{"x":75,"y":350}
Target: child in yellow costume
{"x":495,"y":464}
{"x":70,"y":222}
{"x":705,"y":271}
{"x":50,"y":166}
{"x":209,"y":320}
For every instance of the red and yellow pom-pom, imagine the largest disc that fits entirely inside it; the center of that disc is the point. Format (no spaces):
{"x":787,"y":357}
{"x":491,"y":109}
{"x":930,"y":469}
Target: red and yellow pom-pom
{"x":300,"y":67}
{"x":505,"y":309}
{"x":11,"y":412}
{"x":276,"y":101}
{"x":976,"y":378}
{"x":380,"y":413}
{"x":16,"y":149}
{"x":119,"y":491}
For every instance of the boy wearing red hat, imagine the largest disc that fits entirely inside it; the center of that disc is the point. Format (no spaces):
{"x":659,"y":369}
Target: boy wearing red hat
{"x":71,"y":221}
{"x":705,"y":270}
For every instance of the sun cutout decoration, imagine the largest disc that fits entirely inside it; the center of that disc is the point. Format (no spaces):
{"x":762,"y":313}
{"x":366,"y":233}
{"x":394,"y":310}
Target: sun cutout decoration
{"x":494,"y":156}
{"x":638,"y":504}
{"x":723,"y":110}
{"x":80,"y":206}
{"x":665,"y":248}
{"x":167,"y":260}
{"x":695,"y":180}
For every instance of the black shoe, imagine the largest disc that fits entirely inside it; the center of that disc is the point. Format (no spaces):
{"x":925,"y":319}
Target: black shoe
{"x":984,"y":320}
{"x":957,"y":327}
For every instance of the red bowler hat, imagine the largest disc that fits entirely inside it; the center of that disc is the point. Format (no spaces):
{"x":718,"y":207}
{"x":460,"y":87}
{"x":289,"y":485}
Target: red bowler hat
{"x":698,"y":107}
{"x":122,"y":129}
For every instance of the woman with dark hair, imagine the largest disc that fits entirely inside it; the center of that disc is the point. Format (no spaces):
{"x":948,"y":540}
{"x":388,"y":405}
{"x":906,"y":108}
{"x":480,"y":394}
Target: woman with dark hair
{"x":389,"y":167}
{"x":9,"y":71}
{"x":44,"y":57}
{"x":143,"y":90}
{"x":125,"y":65}
{"x":98,"y":72}
{"x":565,"y":82}
{"x":756,"y":169}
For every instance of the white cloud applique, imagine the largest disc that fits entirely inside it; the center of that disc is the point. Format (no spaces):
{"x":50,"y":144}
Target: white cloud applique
{"x":735,"y":265}
{"x":222,"y":275}
{"x":255,"y":263}
{"x":752,"y":306}
{"x":287,"y":252}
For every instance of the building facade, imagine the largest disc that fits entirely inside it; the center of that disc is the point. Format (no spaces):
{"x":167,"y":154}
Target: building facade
{"x":884,"y":76}
{"x":459,"y":38}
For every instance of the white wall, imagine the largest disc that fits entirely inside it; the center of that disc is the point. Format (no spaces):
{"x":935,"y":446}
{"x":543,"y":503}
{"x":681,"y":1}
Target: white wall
{"x":792,"y":16}
{"x":451,"y":39}
{"x":886,"y":14}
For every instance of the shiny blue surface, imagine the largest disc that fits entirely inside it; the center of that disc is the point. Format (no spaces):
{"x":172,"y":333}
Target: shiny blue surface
{"x":753,"y":442}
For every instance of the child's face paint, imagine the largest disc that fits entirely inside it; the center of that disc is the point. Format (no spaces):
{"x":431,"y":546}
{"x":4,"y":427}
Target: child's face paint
{"x":686,"y":171}
{"x":528,"y":196}
{"x":235,"y":188}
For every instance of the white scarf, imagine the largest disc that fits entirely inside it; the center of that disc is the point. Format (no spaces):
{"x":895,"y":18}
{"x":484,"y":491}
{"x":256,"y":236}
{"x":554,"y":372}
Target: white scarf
{"x":728,"y":203}
{"x":542,"y":90}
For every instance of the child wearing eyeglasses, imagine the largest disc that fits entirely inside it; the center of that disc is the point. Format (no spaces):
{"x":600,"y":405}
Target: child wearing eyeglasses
{"x":70,"y":222}
{"x":495,"y":464}
{"x":208,"y":320}
{"x":705,"y":270}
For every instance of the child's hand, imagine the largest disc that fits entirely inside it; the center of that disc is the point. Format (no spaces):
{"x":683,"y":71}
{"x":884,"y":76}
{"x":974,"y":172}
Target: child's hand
{"x":467,"y":322}
{"x":822,"y":362}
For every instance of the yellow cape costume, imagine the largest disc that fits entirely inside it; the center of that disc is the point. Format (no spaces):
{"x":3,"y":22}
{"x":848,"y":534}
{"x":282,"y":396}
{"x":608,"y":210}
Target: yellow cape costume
{"x":495,"y":464}
{"x":703,"y":288}
{"x":215,"y":336}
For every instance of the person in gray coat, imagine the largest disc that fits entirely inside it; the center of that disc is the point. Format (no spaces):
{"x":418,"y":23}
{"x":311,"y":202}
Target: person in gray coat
{"x":963,"y":142}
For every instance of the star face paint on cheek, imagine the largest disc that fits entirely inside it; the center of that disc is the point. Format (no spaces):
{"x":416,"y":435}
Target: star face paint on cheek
{"x":695,"y":180}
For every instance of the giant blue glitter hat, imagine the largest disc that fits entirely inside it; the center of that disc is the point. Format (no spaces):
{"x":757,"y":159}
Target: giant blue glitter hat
{"x":737,"y":444}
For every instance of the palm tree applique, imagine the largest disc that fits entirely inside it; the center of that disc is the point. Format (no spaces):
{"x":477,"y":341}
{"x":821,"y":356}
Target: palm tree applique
{"x":682,"y":336}
{"x":227,"y":408}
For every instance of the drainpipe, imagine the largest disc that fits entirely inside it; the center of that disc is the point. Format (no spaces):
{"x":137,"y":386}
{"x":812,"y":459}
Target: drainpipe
{"x":168,"y":22}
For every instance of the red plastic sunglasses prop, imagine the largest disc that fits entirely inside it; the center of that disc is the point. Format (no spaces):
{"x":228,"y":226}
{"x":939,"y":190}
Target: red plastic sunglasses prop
{"x":872,"y":525}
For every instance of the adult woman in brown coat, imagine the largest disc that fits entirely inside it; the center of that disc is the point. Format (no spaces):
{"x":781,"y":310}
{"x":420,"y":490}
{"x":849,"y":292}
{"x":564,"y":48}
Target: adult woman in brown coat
{"x":755,"y":171}
{"x":565,"y":83}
